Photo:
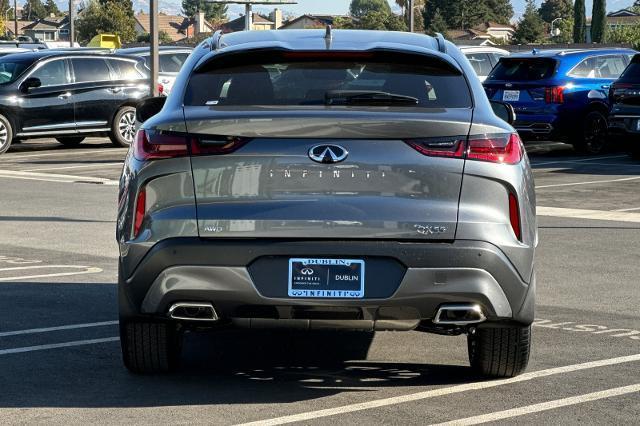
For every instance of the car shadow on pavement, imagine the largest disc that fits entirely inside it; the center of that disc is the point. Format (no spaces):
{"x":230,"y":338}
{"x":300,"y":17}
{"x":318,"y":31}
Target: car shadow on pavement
{"x":218,"y":367}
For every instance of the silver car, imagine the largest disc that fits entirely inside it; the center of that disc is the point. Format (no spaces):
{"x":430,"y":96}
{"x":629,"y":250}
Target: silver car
{"x":327,"y":180}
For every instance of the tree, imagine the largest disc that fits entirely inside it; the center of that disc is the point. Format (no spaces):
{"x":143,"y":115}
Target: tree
{"x":467,"y":14}
{"x":579,"y":20}
{"x":34,"y":9}
{"x":379,"y":20}
{"x":530,"y":27}
{"x":359,"y":8}
{"x":599,"y":21}
{"x":553,"y":9}
{"x":438,"y":24}
{"x":625,"y":34}
{"x":636,"y":6}
{"x":111,"y":18}
{"x":212,"y":12}
{"x":163,"y":38}
{"x":52,"y":8}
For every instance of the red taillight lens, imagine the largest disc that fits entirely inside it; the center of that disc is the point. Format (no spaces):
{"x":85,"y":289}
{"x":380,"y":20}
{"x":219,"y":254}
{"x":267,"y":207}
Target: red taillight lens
{"x":505,"y":149}
{"x":439,"y":147}
{"x":554,"y":95}
{"x":160,"y":89}
{"x":141,"y":209}
{"x":153,"y":145}
{"x":514,"y":215}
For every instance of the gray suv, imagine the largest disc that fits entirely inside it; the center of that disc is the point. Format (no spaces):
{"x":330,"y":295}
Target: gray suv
{"x":320,"y":179}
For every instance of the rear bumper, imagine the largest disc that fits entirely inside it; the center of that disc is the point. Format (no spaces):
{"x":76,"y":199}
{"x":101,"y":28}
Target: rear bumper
{"x":625,"y":125}
{"x":222,"y":272}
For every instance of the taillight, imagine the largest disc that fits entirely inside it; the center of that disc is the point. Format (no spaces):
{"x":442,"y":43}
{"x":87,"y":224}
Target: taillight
{"x":141,"y":209}
{"x":554,"y":95}
{"x":504,"y":149}
{"x":514,"y":215}
{"x":439,"y":147}
{"x":153,"y":145}
{"x":212,"y":145}
{"x":160,"y":89}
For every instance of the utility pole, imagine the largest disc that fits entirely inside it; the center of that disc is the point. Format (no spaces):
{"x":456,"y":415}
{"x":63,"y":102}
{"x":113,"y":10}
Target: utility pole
{"x":411,"y":20}
{"x":72,"y":30}
{"x":153,"y":54}
{"x":15,"y":19}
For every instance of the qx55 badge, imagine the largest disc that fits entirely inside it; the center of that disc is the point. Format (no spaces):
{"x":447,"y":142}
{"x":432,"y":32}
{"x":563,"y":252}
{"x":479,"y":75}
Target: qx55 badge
{"x":328,"y":154}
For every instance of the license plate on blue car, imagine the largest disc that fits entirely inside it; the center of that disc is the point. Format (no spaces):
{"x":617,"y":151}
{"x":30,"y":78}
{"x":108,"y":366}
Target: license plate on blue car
{"x":326,"y":278}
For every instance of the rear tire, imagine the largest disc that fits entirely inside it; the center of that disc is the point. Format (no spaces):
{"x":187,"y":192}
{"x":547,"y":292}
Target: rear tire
{"x":6,"y":134}
{"x":70,"y":140}
{"x":500,"y":352}
{"x":149,"y":347}
{"x":591,"y":138}
{"x":123,"y":127}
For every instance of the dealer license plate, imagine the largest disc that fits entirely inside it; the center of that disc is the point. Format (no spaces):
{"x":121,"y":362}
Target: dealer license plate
{"x":326,"y":278}
{"x":511,"y":95}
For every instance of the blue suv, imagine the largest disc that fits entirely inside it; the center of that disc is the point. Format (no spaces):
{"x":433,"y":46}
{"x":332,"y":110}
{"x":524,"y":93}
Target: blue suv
{"x":560,"y":95}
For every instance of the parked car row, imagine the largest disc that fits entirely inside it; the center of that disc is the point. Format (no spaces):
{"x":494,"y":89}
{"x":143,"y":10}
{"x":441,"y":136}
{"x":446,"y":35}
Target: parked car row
{"x":574,"y":96}
{"x":70,"y":94}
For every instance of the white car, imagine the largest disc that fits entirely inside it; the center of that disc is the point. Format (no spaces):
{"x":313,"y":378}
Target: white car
{"x":483,"y":58}
{"x":170,"y":60}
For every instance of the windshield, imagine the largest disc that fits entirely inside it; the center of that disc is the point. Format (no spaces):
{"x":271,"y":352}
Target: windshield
{"x":12,"y":69}
{"x":523,"y":69}
{"x":331,"y":81}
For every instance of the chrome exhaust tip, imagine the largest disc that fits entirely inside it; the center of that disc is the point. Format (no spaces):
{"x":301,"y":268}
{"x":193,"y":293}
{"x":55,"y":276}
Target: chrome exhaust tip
{"x":193,"y":311}
{"x":459,"y":314}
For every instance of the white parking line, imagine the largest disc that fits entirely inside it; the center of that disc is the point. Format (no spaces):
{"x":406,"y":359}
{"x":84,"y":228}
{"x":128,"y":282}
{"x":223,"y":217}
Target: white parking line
{"x":67,"y":152}
{"x":85,"y":270}
{"x":384,"y":402}
{"x":543,"y":406}
{"x":52,"y":177}
{"x":57,"y":328}
{"x":579,"y":161}
{"x":82,"y":166}
{"x":57,"y":345}
{"x":615,"y":216}
{"x":591,"y":182}
{"x":627,"y":210}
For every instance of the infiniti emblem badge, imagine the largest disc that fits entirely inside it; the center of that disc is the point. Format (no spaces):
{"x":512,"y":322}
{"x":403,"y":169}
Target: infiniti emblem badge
{"x":328,"y":153}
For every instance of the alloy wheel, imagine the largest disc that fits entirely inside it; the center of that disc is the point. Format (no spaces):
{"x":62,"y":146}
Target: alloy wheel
{"x":595,"y":133}
{"x":3,"y":135}
{"x":127,"y":126}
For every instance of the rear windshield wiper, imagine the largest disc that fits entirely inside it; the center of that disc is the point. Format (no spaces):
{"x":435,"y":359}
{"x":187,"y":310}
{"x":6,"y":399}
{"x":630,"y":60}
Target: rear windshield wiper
{"x":367,"y":97}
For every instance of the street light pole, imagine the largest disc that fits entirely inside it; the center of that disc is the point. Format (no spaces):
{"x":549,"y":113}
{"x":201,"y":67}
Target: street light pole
{"x":557,"y":31}
{"x":6,"y":18}
{"x":72,"y":30}
{"x":153,"y":54}
{"x":411,"y":18}
{"x":15,"y":19}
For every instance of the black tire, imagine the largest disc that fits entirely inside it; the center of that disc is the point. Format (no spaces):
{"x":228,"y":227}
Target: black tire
{"x":149,"y":347}
{"x":500,"y":352}
{"x":6,"y":134}
{"x":592,"y":136}
{"x":123,"y":127}
{"x":70,"y":140}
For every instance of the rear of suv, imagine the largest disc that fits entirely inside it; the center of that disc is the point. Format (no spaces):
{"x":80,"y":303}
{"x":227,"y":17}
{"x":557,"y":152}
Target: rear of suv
{"x":624,"y":118}
{"x":560,"y":95}
{"x":353,"y":180}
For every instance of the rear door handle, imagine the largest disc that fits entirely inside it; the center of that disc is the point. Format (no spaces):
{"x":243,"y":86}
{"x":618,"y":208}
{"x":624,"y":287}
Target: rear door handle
{"x":115,"y":89}
{"x":65,"y":95}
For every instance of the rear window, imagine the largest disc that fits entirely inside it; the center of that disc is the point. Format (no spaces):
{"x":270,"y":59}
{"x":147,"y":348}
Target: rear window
{"x":329,"y":79}
{"x":523,"y":69}
{"x":632,"y":72}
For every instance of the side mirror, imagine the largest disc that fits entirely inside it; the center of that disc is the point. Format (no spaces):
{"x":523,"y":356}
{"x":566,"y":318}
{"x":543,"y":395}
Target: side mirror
{"x":504,"y":111}
{"x":147,"y":108}
{"x":30,"y":83}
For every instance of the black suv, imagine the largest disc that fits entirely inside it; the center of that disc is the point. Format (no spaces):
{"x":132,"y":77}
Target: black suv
{"x":69,"y":95}
{"x":624,"y":118}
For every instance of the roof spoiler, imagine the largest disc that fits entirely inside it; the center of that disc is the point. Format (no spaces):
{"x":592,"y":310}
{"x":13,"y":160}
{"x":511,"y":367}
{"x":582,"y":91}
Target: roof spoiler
{"x":442,"y":47}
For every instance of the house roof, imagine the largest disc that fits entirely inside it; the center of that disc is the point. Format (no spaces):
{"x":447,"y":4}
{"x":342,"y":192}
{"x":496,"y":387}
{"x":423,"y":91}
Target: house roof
{"x":321,"y":20}
{"x":238,"y":23}
{"x":622,"y":12}
{"x":176,"y":26}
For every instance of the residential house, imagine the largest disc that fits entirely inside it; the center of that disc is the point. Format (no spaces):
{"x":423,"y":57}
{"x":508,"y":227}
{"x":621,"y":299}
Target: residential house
{"x":311,"y":21}
{"x":484,"y":31}
{"x":258,"y":23}
{"x":53,"y":28}
{"x":10,"y":27}
{"x":175,"y":26}
{"x":617,"y":19}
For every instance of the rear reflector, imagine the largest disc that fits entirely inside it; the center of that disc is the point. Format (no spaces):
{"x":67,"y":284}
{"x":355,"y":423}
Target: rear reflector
{"x":514,"y":215}
{"x":141,"y":209}
{"x":504,"y":149}
{"x":153,"y":145}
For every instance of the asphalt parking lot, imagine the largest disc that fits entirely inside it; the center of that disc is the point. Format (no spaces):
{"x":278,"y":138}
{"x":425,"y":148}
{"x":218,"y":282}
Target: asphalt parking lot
{"x":60,"y":356}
